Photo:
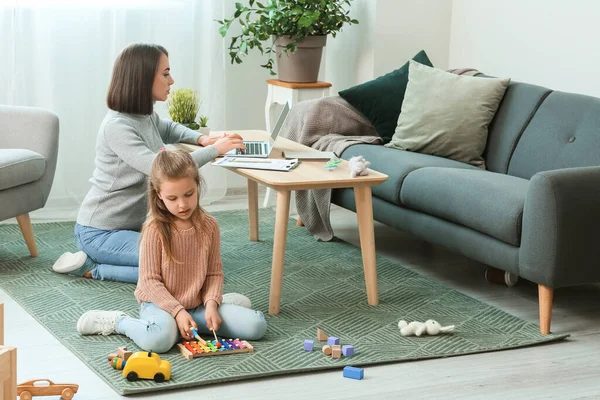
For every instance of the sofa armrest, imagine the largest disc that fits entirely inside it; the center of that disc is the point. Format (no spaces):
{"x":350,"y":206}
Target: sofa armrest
{"x":34,"y":129}
{"x":561,"y":218}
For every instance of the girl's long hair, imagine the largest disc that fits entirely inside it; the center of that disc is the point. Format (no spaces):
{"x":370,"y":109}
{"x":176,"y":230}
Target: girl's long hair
{"x":170,"y":165}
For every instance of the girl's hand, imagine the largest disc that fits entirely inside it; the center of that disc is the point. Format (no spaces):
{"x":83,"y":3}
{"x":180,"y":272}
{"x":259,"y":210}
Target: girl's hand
{"x":213,"y":320}
{"x":207,"y":140}
{"x":229,"y":141}
{"x":184,"y":323}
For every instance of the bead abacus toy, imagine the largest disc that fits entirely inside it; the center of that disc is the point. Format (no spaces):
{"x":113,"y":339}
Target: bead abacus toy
{"x":202,"y":348}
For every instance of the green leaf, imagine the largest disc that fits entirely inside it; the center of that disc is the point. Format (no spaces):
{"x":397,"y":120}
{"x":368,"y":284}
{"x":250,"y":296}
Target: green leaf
{"x":223,"y":30}
{"x":304,"y":21}
{"x":239,"y":6}
{"x":244,"y":47}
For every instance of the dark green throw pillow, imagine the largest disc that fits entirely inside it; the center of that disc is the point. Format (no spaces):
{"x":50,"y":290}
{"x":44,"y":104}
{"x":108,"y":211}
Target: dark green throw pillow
{"x":380,"y":100}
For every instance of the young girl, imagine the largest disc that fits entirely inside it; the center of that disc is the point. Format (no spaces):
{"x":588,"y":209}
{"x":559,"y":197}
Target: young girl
{"x":180,"y":271}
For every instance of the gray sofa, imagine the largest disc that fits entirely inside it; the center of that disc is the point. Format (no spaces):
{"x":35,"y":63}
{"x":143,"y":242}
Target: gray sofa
{"x":535,"y":211}
{"x":28,"y":155}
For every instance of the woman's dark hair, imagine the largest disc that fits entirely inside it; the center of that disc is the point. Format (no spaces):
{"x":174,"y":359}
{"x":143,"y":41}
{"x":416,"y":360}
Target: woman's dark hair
{"x":130,"y":89}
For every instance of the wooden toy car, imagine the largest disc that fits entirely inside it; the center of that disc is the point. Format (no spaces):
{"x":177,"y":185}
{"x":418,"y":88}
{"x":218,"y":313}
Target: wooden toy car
{"x":45,"y":387}
{"x":147,"y":365}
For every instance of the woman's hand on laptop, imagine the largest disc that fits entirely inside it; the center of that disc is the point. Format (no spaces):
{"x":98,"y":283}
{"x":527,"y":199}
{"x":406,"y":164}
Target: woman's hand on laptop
{"x":207,"y":140}
{"x":229,"y":141}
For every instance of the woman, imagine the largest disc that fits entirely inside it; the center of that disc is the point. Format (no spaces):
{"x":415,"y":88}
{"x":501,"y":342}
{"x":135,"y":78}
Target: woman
{"x":130,"y":136}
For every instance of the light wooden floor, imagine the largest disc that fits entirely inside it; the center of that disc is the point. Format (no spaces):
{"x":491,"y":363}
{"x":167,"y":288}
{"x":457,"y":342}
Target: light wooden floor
{"x":564,"y":370}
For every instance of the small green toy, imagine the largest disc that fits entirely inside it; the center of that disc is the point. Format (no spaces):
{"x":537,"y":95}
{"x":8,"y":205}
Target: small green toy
{"x":332,"y":163}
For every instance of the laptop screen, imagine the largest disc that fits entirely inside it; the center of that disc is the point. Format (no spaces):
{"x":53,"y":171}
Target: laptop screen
{"x":279,"y":124}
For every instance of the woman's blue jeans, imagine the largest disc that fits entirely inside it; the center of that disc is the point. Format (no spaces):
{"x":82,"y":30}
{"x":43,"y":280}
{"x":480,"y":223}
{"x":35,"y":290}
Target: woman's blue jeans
{"x":112,"y":255}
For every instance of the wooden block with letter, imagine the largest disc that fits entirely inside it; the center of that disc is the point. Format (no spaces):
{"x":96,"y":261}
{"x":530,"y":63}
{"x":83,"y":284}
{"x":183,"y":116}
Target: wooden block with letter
{"x":200,"y":348}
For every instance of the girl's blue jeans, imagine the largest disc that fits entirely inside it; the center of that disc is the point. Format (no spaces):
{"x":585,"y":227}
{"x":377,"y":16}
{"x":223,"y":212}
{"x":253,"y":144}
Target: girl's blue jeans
{"x":112,"y":255}
{"x":157,"y":331}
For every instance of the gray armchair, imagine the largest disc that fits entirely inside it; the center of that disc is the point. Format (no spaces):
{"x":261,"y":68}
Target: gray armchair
{"x":28,"y":152}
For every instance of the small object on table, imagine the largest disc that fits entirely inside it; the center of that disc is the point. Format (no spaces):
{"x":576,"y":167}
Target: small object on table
{"x":358,"y":166}
{"x":332,"y":163}
{"x":354,"y":373}
{"x":326,"y":350}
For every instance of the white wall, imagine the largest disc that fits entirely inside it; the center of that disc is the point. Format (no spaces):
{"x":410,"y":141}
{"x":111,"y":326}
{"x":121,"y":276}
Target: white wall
{"x":404,"y":27}
{"x":548,"y":43}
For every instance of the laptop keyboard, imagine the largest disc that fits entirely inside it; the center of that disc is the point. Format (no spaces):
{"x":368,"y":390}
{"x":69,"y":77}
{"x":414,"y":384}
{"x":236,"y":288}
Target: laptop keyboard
{"x":253,"y":148}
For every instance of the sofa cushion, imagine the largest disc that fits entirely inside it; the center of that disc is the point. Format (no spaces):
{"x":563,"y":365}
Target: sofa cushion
{"x":20,"y":166}
{"x":447,"y":115}
{"x":380,"y":100}
{"x":397,"y":165}
{"x":488,"y":202}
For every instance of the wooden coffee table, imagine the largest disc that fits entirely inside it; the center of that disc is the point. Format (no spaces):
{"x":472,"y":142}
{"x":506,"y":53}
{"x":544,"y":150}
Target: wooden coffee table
{"x":308,"y":175}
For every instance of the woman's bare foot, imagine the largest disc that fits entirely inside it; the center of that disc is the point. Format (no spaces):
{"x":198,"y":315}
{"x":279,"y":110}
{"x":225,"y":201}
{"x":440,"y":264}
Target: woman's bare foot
{"x":88,"y":275}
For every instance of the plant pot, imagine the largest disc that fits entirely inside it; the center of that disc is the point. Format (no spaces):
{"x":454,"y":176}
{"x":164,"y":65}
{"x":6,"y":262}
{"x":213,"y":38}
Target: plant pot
{"x":204,"y":130}
{"x":303,"y":65}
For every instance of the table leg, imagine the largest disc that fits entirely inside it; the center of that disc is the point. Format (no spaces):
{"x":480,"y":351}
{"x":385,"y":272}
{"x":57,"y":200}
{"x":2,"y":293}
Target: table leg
{"x":253,"y":209}
{"x":282,"y":215}
{"x":364,"y":212}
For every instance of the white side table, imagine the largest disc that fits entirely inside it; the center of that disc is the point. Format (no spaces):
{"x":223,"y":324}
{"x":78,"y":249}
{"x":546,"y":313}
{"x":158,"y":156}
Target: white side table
{"x":280,"y":92}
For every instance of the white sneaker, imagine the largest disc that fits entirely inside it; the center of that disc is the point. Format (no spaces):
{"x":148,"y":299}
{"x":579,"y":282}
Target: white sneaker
{"x":237,"y":300}
{"x":97,"y":322}
{"x":69,"y":262}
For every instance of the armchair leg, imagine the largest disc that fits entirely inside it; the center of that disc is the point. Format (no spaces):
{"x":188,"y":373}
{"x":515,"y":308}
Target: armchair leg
{"x":545,"y":295}
{"x":27,"y":231}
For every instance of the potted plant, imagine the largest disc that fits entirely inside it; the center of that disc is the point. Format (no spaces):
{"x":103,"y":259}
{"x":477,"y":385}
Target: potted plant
{"x":204,"y":125}
{"x":183,"y":106}
{"x":298,"y":28}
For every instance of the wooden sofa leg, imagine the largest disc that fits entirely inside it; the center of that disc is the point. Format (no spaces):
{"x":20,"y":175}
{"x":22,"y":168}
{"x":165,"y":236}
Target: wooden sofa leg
{"x":299,"y":222}
{"x":545,"y":294}
{"x":27,"y":231}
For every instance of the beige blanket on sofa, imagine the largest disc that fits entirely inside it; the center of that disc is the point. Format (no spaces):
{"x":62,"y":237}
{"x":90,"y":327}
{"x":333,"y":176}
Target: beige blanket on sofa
{"x":327,"y":124}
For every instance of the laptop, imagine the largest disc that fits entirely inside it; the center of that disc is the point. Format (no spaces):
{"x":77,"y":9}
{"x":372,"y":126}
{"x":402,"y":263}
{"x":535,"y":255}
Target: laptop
{"x":262,"y":149}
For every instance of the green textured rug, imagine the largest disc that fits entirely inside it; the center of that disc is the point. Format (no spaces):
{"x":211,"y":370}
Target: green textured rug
{"x":323,"y":287}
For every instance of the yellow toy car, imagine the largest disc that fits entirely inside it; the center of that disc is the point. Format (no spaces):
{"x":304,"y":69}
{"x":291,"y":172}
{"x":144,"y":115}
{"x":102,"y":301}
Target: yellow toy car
{"x":147,"y":365}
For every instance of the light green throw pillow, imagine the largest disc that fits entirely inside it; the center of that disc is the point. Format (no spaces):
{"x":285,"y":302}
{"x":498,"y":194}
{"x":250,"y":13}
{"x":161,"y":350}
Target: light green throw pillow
{"x":447,"y":115}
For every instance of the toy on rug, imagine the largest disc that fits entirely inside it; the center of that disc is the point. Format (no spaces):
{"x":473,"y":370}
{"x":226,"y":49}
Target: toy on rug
{"x":333,"y":347}
{"x":119,"y":359}
{"x":202,"y":348}
{"x":429,"y":327}
{"x":358,"y":166}
{"x":147,"y":365}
